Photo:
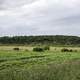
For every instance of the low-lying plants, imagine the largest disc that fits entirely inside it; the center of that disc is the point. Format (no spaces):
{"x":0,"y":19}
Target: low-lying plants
{"x":41,"y":49}
{"x":66,"y":50}
{"x":38,"y":49}
{"x":46,"y":48}
{"x":17,"y":49}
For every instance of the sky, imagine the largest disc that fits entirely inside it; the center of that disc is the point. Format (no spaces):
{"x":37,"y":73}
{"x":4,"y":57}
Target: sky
{"x":39,"y":17}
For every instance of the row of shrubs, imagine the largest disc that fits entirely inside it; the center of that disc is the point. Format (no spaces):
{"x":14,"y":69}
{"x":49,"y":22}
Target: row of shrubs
{"x":68,"y":50}
{"x":36,"y":49}
{"x":41,"y":49}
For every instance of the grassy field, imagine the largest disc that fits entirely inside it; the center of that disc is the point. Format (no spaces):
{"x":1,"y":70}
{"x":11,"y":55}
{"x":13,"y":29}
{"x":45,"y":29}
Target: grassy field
{"x":48,"y":65}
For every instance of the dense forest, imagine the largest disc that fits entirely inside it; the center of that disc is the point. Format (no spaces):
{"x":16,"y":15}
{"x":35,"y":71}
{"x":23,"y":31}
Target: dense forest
{"x":36,"y":40}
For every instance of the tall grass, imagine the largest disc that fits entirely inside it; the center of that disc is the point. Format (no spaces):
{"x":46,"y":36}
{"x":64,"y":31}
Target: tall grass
{"x":65,"y":71}
{"x":47,"y":65}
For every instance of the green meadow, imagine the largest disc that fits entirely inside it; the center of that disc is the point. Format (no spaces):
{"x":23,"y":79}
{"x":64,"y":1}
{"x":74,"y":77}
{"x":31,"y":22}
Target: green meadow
{"x":25,"y":64}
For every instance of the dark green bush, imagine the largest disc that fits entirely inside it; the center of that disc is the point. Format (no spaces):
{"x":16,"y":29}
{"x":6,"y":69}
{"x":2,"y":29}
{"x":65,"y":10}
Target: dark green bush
{"x":70,"y":50}
{"x":46,"y":48}
{"x":38,"y":49}
{"x":66,"y":50}
{"x":17,"y":49}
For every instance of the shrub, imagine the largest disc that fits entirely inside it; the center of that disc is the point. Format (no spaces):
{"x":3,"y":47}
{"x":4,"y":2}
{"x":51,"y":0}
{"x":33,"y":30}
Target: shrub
{"x":70,"y":50}
{"x":66,"y":50}
{"x":38,"y":49}
{"x":46,"y":48}
{"x":17,"y":49}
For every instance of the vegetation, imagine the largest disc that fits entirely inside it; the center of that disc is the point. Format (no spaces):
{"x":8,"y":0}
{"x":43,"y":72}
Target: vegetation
{"x":17,"y":49}
{"x":30,"y":65}
{"x":38,"y":49}
{"x":46,"y":48}
{"x":42,"y":40}
{"x":41,"y":49}
{"x":24,"y":61}
{"x":66,"y":50}
{"x":69,"y":71}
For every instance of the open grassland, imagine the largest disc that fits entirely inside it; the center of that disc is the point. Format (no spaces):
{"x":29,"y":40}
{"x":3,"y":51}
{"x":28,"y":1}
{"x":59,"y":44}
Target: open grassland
{"x":48,"y":65}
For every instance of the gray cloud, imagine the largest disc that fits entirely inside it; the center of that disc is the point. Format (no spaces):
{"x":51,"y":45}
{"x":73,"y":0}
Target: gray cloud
{"x":8,"y":4}
{"x":36,"y":17}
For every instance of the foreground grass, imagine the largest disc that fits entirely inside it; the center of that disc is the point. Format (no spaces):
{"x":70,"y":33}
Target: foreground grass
{"x":48,"y":65}
{"x":65,"y":71}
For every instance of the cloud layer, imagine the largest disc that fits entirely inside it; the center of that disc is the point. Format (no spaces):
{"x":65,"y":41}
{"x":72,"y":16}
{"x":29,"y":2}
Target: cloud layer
{"x":39,"y":17}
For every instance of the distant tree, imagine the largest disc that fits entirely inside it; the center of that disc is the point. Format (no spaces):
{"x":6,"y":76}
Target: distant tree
{"x":42,"y":40}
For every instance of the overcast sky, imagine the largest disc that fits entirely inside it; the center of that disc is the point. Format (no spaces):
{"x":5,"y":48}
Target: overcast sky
{"x":39,"y":17}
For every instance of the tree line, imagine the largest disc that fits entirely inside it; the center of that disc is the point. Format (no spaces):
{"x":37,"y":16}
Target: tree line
{"x":35,"y":40}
